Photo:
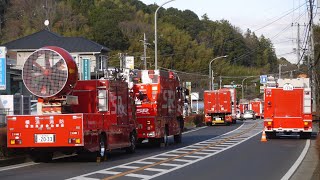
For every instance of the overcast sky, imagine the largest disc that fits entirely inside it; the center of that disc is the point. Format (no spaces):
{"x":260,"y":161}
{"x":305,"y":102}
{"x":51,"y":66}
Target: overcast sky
{"x":272,"y":18}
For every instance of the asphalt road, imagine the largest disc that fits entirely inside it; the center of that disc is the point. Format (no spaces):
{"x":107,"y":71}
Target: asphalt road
{"x":75,"y":166}
{"x":202,"y":155}
{"x":249,"y":160}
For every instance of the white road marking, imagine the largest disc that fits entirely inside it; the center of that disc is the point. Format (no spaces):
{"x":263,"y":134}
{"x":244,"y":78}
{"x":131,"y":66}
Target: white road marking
{"x":156,"y":158}
{"x":196,"y":129}
{"x":182,"y":160}
{"x":210,"y":150}
{"x":6,"y":168}
{"x":16,"y":166}
{"x":139,"y":176}
{"x":202,"y":153}
{"x":179,"y":152}
{"x":128,"y":167}
{"x":155,"y":169}
{"x":108,"y":172}
{"x":171,"y":155}
{"x":143,"y":162}
{"x":197,"y":157}
{"x":170,"y":164}
{"x":298,"y":162}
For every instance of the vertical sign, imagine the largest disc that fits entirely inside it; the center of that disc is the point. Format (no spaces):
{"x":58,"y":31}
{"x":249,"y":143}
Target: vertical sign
{"x":129,"y":62}
{"x":263,"y":79}
{"x":3,"y":67}
{"x":86,"y":69}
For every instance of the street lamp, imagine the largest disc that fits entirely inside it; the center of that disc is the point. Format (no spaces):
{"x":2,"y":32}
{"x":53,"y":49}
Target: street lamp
{"x":242,"y":94}
{"x":280,"y":69}
{"x":155,"y":36}
{"x":210,"y":73}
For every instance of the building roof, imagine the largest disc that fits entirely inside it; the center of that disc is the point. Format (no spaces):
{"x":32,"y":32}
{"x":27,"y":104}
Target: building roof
{"x":46,"y":38}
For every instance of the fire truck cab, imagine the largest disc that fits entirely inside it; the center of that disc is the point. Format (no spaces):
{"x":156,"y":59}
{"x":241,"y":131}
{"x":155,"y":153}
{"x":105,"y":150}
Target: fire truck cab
{"x":287,"y":108}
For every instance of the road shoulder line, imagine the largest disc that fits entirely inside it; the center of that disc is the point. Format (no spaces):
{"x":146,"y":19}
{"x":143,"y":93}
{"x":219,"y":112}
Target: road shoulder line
{"x":296,"y":164}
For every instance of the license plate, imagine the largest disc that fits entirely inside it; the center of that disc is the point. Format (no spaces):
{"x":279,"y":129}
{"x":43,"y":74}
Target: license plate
{"x":45,"y":138}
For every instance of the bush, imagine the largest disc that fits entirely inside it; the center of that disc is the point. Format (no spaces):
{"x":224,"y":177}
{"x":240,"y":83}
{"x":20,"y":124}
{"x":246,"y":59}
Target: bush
{"x":198,"y":120}
{"x":194,"y":120}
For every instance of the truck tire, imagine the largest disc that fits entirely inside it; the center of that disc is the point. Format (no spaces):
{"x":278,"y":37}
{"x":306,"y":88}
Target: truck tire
{"x":132,"y":139}
{"x":305,"y":135}
{"x":164,"y":139}
{"x":271,"y":135}
{"x":39,"y":156}
{"x":177,"y":138}
{"x":102,"y":147}
{"x":209,"y":123}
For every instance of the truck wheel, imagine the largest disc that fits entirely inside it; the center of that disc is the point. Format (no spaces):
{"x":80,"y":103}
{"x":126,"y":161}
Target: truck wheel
{"x":271,"y":135}
{"x":209,"y":123}
{"x":132,"y":148}
{"x":102,"y":147}
{"x":164,"y":140}
{"x":305,"y":135}
{"x":38,"y":156}
{"x":177,"y":138}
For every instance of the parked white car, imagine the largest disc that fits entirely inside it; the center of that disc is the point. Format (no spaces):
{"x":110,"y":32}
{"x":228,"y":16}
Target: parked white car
{"x":248,"y":114}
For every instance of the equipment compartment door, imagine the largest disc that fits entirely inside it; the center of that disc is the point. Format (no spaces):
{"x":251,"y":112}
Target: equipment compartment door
{"x":288,"y":107}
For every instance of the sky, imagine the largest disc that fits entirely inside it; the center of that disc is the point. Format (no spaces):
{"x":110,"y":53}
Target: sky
{"x":272,"y":18}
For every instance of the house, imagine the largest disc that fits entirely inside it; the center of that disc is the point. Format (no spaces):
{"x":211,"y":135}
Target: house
{"x":85,"y":52}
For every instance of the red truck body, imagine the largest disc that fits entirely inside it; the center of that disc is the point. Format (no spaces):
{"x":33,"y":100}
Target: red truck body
{"x":95,"y":116}
{"x":257,"y":106}
{"x":159,"y":105}
{"x":287,"y":108}
{"x":220,"y":106}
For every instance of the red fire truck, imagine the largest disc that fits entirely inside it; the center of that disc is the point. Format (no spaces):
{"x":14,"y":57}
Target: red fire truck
{"x":73,"y":116}
{"x":220,"y":106}
{"x":159,"y":105}
{"x":243,"y":105}
{"x":257,"y":106}
{"x":287,"y":108}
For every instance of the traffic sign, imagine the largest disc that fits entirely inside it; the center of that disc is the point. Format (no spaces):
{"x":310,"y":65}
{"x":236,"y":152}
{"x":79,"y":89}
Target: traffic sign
{"x":3,"y":67}
{"x":263,"y":79}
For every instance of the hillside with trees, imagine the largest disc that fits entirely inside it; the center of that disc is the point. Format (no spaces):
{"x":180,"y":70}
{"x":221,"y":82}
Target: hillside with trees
{"x":186,"y":42}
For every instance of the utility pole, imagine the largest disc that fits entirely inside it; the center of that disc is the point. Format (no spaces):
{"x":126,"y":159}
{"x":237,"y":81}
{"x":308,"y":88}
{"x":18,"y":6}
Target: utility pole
{"x":145,"y":44}
{"x":280,"y":65}
{"x":311,"y":59}
{"x":298,"y":46}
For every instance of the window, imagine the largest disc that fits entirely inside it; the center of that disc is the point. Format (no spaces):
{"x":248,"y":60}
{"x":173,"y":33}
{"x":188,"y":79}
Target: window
{"x":102,"y":63}
{"x":103,"y":100}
